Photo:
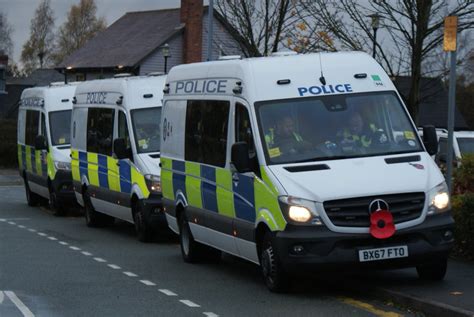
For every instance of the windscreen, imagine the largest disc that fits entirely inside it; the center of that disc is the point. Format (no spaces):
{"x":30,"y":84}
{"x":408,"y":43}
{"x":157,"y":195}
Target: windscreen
{"x":147,"y":129}
{"x":466,"y":145}
{"x":335,"y":127}
{"x":60,"y":127}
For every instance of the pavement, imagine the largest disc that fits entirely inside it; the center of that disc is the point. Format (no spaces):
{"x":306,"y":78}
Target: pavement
{"x":56,"y":266}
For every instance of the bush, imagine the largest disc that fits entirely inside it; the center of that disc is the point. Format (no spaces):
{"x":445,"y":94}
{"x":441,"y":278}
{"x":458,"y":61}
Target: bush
{"x":464,"y":175}
{"x":463,"y":213}
{"x":8,"y":145}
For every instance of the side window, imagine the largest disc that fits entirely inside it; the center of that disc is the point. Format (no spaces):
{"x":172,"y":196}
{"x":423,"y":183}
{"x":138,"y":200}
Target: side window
{"x":100,"y":127}
{"x":32,"y":125}
{"x":243,"y":133}
{"x":206,"y":131}
{"x":123,"y":128}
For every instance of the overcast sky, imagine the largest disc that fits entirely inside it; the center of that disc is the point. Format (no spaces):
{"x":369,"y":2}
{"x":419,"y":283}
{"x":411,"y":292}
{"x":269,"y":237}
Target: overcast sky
{"x":20,"y":13}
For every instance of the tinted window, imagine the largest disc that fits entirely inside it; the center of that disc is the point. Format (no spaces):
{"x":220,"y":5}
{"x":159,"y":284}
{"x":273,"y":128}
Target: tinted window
{"x":243,"y":133}
{"x":206,"y":131}
{"x":466,"y":145}
{"x":146,"y":126}
{"x":123,"y":128}
{"x":32,"y":125}
{"x":100,"y":127}
{"x":60,"y":126}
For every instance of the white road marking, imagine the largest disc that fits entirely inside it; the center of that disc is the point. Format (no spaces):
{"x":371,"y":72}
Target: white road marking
{"x":32,"y":230}
{"x":19,"y":304}
{"x":130,"y":274}
{"x":12,"y":223}
{"x":100,"y":260}
{"x":74,"y":248}
{"x":42,"y":234}
{"x":63,"y":243}
{"x":1,"y":297}
{"x":210,"y":314}
{"x":167,"y":292}
{"x":113,"y":266}
{"x":189,"y":303}
{"x":21,"y":226}
{"x":2,"y":220}
{"x":52,"y":238}
{"x":147,"y":282}
{"x":86,"y":253}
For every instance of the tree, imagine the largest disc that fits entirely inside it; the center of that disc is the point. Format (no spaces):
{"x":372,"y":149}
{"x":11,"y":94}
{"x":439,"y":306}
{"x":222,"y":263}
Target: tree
{"x":38,"y":50}
{"x":259,"y":26}
{"x":412,"y":31}
{"x":81,"y":25}
{"x":6,"y":44}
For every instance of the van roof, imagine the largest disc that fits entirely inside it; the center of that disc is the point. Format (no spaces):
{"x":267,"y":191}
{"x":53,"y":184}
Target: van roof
{"x":131,"y":92}
{"x":259,"y":75}
{"x":50,"y":98}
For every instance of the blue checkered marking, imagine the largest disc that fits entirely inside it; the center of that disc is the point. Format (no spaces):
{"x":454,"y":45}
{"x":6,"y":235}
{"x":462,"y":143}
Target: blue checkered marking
{"x":33,"y":160}
{"x":23,"y":156}
{"x":125,"y":177}
{"x":179,"y":177}
{"x":103,"y":177}
{"x":244,"y":198}
{"x":208,"y":188}
{"x":83,"y":164}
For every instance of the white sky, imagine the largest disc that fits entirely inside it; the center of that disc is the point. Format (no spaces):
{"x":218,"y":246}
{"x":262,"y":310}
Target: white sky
{"x":20,"y":12}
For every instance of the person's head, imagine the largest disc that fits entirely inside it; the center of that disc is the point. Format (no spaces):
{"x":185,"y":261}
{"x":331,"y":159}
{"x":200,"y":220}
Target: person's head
{"x":356,"y":124}
{"x":286,"y":126}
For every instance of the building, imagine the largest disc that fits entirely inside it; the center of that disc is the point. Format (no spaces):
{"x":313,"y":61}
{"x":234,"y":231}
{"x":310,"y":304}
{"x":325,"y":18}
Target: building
{"x":134,"y":43}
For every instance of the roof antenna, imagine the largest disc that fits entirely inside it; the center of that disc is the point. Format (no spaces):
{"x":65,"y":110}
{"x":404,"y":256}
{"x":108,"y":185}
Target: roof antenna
{"x":321,"y":79}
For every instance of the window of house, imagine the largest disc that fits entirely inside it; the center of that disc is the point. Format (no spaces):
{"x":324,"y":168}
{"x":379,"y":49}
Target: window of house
{"x":206,"y":131}
{"x":100,"y":127}
{"x":32,"y":126}
{"x":243,"y":133}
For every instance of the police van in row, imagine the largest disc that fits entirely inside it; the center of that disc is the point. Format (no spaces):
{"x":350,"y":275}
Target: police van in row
{"x":299,"y":163}
{"x":115,"y":149}
{"x":43,"y":134}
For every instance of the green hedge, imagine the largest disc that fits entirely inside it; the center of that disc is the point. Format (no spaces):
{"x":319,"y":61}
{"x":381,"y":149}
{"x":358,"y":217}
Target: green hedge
{"x":8,"y":147}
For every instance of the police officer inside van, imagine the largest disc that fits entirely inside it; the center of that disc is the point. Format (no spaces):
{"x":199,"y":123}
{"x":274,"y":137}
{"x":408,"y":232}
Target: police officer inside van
{"x":359,"y":136}
{"x":284,"y":137}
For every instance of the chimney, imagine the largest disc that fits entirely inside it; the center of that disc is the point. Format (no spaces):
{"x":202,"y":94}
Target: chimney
{"x":191,"y":16}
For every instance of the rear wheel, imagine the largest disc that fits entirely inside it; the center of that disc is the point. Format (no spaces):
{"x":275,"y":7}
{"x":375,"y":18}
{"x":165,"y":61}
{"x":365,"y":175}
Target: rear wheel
{"x":274,"y":276}
{"x":142,"y":227}
{"x":32,"y":198}
{"x":433,"y":271}
{"x":190,"y":249}
{"x":94,"y":218}
{"x":56,"y":208}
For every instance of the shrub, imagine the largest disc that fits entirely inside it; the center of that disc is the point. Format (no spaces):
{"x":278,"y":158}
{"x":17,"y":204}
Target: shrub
{"x":463,"y":213}
{"x":464,"y":175}
{"x":8,"y":145}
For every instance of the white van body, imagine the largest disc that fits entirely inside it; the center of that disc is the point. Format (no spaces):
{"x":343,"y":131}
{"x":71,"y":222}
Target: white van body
{"x":463,"y":144}
{"x":118,"y":187}
{"x":251,"y":214}
{"x":46,"y":111}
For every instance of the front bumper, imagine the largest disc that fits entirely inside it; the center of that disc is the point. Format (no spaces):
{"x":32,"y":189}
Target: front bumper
{"x":153,"y":211}
{"x":62,"y":185}
{"x":325,"y":249}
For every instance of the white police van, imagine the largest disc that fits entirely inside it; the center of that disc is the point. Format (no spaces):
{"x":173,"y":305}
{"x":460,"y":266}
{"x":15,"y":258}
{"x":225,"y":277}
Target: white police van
{"x":44,"y":118}
{"x":301,"y":162}
{"x":463,"y":144}
{"x":115,"y":147}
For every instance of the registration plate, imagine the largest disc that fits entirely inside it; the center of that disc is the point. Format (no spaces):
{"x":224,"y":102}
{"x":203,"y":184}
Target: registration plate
{"x":383,"y":253}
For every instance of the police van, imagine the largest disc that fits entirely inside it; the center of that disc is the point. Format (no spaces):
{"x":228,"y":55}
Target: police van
{"x":115,"y":147}
{"x":44,"y":118}
{"x":299,"y":163}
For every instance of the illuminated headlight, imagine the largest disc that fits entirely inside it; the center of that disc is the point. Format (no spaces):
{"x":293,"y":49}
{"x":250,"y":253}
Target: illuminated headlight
{"x":300,"y":211}
{"x":438,"y":199}
{"x":153,"y":182}
{"x":62,"y":165}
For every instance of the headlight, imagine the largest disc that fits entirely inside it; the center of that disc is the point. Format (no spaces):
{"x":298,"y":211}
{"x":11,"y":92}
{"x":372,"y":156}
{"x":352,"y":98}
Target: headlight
{"x":62,"y":165}
{"x":299,"y":211}
{"x":153,"y":182}
{"x":438,"y":199}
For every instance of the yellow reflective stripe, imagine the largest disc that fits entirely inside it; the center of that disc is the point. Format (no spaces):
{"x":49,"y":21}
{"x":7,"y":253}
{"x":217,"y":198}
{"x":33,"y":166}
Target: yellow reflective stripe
{"x":139,"y":179}
{"x":29,"y":167}
{"x":93,"y":169}
{"x":224,"y":192}
{"x":167,"y":178}
{"x":39,"y":169}
{"x":193,"y":184}
{"x":50,"y":165}
{"x":20,"y":158}
{"x":267,"y":180}
{"x":267,"y":199}
{"x":76,"y":174}
{"x":265,"y":216}
{"x":113,"y":174}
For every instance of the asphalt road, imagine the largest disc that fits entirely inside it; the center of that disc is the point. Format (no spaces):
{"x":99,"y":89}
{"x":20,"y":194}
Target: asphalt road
{"x":52,"y":266}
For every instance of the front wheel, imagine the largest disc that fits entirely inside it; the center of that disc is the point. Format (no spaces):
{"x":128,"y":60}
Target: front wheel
{"x":142,"y":227}
{"x":190,"y":249}
{"x":433,"y":271}
{"x":32,"y":199}
{"x":274,"y":275}
{"x":56,"y":208}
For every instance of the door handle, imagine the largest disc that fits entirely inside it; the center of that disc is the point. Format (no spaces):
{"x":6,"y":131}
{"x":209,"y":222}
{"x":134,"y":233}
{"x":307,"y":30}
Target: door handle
{"x":235,"y":177}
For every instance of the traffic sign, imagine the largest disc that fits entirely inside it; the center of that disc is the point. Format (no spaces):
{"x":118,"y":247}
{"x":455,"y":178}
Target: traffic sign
{"x":450,"y":31}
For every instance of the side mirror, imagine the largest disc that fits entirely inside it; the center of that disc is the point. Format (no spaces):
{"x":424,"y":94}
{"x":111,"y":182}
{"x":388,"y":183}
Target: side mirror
{"x":41,"y":143}
{"x":121,"y":150}
{"x":430,"y":140}
{"x":240,"y":157}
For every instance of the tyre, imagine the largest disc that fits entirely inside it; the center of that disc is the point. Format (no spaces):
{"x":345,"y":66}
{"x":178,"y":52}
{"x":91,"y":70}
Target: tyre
{"x":142,"y":227}
{"x":32,"y":198}
{"x":433,"y":271}
{"x":190,"y":249}
{"x":274,"y":275}
{"x":93,"y":218}
{"x":54,"y":206}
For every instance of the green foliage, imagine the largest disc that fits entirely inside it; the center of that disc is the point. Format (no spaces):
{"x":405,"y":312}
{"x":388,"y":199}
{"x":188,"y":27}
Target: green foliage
{"x":8,"y":145}
{"x":464,"y":175}
{"x":463,"y":213}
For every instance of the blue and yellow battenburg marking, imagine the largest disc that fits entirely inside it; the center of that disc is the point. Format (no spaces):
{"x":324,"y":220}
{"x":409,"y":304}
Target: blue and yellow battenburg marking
{"x":211,"y":188}
{"x":106,"y":172}
{"x":35,"y":162}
